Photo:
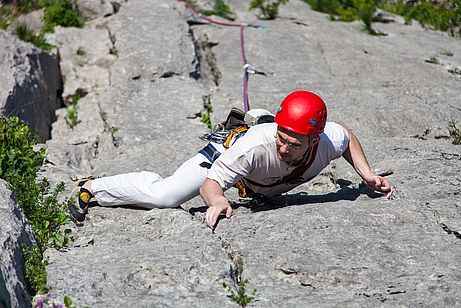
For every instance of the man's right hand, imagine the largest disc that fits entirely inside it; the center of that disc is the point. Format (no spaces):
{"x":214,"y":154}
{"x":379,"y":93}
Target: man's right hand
{"x":214,"y":198}
{"x":213,"y":212}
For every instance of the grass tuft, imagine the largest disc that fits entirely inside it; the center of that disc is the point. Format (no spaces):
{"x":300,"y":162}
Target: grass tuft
{"x":27,"y":35}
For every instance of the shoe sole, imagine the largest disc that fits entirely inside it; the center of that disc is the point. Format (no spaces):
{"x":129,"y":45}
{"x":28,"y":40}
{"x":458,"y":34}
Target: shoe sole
{"x":75,"y":212}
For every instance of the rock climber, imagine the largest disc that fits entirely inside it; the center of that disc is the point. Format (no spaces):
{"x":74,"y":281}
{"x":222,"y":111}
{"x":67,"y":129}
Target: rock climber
{"x":264,"y":160}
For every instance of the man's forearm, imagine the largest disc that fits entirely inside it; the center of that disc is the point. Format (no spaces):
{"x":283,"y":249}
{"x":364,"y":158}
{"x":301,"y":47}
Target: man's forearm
{"x":213,"y":196}
{"x":356,"y":157}
{"x":212,"y":193}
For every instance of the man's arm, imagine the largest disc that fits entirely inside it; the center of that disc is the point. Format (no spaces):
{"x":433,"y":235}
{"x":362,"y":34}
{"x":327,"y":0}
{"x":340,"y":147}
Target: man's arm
{"x":355,"y":156}
{"x":213,"y":196}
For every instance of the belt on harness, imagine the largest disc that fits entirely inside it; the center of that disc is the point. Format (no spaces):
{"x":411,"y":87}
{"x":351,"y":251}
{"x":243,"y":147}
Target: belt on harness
{"x":211,"y":153}
{"x":237,"y":133}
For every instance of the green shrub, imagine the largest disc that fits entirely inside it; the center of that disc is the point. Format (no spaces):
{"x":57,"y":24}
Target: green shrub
{"x":348,"y":10}
{"x":443,"y":16}
{"x":60,"y":13}
{"x":57,"y":13}
{"x":5,"y":16}
{"x":19,"y":162}
{"x":269,"y":9}
{"x":19,"y":166}
{"x":35,"y":269}
{"x":240,"y":297}
{"x":220,"y":8}
{"x":325,"y":6}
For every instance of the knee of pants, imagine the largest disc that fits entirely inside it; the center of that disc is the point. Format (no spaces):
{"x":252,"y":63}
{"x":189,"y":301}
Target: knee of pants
{"x":165,"y":199}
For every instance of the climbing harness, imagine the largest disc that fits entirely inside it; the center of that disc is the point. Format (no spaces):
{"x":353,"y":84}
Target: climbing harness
{"x":228,"y":132}
{"x":247,"y":68}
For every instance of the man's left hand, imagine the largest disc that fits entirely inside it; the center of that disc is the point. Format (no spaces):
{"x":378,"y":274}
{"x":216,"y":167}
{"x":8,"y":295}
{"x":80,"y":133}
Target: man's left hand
{"x":380,"y":184}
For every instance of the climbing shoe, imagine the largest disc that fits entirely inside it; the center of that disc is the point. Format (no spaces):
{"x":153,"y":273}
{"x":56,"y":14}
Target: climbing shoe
{"x":79,"y":201}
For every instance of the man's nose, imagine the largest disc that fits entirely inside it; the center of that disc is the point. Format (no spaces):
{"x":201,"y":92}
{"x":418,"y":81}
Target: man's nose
{"x":284,"y":149}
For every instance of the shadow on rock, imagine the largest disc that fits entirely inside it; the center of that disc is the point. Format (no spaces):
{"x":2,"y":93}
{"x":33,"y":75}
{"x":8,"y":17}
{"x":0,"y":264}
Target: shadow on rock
{"x":345,"y":193}
{"x":266,"y":204}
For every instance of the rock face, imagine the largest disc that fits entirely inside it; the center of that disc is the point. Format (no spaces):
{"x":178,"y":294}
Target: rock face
{"x":93,"y":9}
{"x":31,"y":84}
{"x":330,"y":242}
{"x":33,"y":21}
{"x":85,"y":56}
{"x":13,"y":233}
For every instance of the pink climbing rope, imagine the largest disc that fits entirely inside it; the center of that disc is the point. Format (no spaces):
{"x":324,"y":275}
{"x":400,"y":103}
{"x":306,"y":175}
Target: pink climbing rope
{"x":246,"y":104}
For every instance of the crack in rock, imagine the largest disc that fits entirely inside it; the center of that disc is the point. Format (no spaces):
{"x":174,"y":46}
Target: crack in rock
{"x":444,"y":227}
{"x":450,"y":231}
{"x":109,"y":129}
{"x":207,"y":64}
{"x":236,"y":271}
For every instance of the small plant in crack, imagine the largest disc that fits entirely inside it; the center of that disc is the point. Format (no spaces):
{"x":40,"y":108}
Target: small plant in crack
{"x":447,"y":53}
{"x":72,"y":112}
{"x":432,"y":60}
{"x":268,"y":9}
{"x":239,"y":293}
{"x":80,"y":51}
{"x":454,"y":131}
{"x":113,"y":130}
{"x":205,"y":115}
{"x":25,"y":34}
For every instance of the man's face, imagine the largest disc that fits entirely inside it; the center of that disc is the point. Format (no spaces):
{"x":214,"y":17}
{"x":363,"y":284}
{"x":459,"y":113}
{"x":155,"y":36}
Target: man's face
{"x":291,"y":147}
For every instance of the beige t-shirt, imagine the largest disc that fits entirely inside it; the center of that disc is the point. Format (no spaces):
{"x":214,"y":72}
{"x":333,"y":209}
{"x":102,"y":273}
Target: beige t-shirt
{"x":254,"y":157}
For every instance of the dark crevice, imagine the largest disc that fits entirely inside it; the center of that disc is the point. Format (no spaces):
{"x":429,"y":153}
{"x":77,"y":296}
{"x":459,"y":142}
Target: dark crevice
{"x":444,"y":227}
{"x":169,"y":74}
{"x":450,"y":231}
{"x":207,"y":67}
{"x":116,"y":6}
{"x":113,"y":50}
{"x":196,"y":74}
{"x":300,"y":23}
{"x":109,"y":129}
{"x":236,"y":269}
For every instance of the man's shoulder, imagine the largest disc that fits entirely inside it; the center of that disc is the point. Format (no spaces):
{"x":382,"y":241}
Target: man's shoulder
{"x":261,"y":133}
{"x":334,"y":138}
{"x":334,"y":130}
{"x":256,"y":136}
{"x":263,"y":128}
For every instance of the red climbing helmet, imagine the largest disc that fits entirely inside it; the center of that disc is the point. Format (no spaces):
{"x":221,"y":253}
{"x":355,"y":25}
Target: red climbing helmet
{"x":302,"y":112}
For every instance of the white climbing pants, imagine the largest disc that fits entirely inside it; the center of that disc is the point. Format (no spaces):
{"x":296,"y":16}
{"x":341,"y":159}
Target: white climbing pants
{"x":149,"y":190}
